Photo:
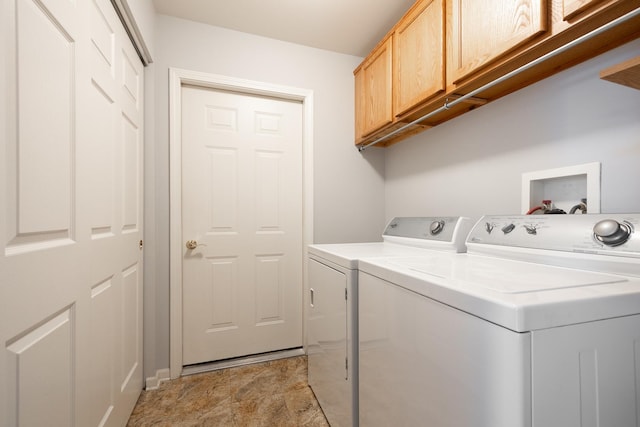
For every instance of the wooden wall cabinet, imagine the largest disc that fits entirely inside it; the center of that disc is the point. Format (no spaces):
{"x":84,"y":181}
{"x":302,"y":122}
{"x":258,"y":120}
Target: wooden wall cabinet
{"x":626,"y":73}
{"x":482,"y":41}
{"x":404,"y":70}
{"x":418,"y":56}
{"x":480,"y":31}
{"x":375,"y":89}
{"x":572,"y":8}
{"x":359,"y":104}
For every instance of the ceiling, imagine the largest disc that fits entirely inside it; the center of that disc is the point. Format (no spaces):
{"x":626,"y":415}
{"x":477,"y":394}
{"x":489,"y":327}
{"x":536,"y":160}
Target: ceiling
{"x":352,"y":27}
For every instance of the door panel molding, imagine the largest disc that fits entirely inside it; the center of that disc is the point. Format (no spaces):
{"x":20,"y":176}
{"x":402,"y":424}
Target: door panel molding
{"x":177,"y":79}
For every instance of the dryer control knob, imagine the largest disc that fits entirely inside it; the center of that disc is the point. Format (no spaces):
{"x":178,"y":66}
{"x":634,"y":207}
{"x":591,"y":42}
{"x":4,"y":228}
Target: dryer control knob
{"x":611,"y":233}
{"x":436,"y":227}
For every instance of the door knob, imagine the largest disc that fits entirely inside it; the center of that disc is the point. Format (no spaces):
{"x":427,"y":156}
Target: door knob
{"x":191,"y":244}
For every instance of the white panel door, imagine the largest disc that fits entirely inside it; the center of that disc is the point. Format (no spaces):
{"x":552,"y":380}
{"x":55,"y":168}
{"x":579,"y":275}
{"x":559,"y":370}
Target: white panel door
{"x":242,"y":204}
{"x":70,"y":203}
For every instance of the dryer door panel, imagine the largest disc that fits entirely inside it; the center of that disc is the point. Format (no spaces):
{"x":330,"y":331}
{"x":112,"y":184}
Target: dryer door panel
{"x":327,"y":342}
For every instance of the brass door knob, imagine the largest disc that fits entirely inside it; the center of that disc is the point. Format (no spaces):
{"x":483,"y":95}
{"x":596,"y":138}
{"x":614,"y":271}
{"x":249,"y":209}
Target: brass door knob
{"x":191,"y":244}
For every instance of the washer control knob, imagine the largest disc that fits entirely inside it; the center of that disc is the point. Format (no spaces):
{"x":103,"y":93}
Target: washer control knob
{"x":436,"y":227}
{"x":611,"y":233}
{"x":508,"y":228}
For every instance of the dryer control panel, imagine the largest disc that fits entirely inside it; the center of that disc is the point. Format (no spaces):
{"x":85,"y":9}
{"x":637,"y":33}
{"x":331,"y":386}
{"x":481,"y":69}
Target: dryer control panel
{"x":429,"y":232}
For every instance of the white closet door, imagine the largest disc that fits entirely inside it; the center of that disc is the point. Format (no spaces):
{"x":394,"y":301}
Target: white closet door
{"x":71,"y":202}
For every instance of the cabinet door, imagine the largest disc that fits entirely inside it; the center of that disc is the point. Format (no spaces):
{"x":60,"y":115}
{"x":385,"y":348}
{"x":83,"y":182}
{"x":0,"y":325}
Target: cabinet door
{"x":418,"y":55}
{"x":571,"y":8}
{"x":480,"y":31}
{"x":359,"y":104}
{"x":377,"y":89}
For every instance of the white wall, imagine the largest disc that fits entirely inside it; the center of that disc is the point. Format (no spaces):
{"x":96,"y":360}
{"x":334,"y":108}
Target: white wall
{"x":472,"y":165}
{"x":349,"y":186}
{"x":469,"y":166}
{"x":145,"y":15}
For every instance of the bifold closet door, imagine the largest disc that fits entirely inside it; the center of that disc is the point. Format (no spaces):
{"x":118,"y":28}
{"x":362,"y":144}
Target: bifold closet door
{"x":71,"y":199}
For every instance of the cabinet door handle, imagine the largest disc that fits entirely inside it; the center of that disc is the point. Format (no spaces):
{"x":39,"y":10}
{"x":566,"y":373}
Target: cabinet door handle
{"x":311,"y":293}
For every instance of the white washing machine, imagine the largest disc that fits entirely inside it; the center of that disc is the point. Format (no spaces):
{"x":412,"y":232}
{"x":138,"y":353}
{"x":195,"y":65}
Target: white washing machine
{"x":332,"y":331}
{"x":537,"y":325}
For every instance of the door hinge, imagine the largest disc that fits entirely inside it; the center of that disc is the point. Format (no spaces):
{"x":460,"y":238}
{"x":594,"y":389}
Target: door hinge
{"x":345,"y":293}
{"x":140,"y":244}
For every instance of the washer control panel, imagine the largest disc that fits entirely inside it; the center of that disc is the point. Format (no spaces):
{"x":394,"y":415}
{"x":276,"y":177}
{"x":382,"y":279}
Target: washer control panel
{"x":590,"y":233}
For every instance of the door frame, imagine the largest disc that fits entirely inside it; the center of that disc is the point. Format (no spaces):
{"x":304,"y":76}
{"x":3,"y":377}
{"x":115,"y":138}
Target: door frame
{"x":177,"y":78}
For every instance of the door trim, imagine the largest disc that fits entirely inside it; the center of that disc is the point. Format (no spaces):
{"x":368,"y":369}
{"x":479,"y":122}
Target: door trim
{"x":177,"y":79}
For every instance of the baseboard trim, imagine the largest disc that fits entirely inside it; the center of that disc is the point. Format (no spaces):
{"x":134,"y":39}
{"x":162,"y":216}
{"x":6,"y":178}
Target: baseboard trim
{"x":241,"y":361}
{"x":152,"y":383}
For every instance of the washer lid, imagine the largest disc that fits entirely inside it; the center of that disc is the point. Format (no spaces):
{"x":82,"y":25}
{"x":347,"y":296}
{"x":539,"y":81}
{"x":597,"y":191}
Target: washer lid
{"x":438,"y":265}
{"x":520,"y":296}
{"x":513,"y":277}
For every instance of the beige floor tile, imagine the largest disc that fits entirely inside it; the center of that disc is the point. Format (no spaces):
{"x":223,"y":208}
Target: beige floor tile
{"x":267,"y":394}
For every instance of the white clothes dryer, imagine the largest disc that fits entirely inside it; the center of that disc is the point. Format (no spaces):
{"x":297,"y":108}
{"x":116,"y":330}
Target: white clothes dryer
{"x":537,"y":325}
{"x":332,"y":328}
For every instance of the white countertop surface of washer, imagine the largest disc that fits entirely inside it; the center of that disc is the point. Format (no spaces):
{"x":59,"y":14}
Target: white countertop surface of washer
{"x":517,"y":295}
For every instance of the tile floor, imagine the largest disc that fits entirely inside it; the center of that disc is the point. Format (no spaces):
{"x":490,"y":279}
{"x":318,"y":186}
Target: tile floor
{"x":270,"y":394}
